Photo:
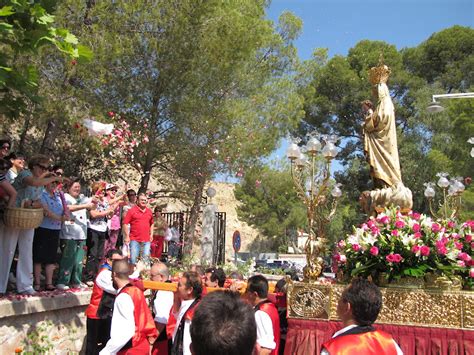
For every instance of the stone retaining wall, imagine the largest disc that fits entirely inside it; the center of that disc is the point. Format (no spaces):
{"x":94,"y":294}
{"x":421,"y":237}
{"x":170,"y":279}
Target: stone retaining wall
{"x":53,"y":324}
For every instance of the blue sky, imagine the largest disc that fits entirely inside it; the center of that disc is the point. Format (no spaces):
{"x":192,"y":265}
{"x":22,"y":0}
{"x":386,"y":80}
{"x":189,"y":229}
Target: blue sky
{"x":339,"y":24}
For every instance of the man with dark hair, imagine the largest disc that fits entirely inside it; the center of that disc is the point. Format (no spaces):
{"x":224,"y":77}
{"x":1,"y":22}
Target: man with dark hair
{"x":186,"y":299}
{"x":99,"y":311}
{"x":133,"y":329}
{"x":266,"y":315}
{"x":358,"y":308}
{"x":215,"y":277}
{"x":223,"y":324}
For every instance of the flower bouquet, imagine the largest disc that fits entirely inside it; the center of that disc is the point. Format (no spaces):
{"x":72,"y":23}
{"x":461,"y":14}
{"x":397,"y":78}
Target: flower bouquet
{"x":395,"y":246}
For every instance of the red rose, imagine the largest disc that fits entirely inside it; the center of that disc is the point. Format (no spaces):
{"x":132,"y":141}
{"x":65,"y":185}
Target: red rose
{"x":425,"y":251}
{"x":374,"y":251}
{"x":111,"y":113}
{"x":467,"y":180}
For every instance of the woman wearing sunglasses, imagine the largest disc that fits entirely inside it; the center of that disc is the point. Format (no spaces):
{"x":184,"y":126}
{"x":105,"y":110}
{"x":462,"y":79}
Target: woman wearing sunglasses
{"x":29,"y":186}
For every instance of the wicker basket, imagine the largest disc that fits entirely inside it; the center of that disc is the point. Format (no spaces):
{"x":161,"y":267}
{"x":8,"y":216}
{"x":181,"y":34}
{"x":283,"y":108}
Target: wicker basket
{"x":23,"y":218}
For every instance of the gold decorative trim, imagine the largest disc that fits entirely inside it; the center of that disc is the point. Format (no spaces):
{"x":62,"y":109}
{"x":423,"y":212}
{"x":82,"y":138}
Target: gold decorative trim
{"x":416,"y":307}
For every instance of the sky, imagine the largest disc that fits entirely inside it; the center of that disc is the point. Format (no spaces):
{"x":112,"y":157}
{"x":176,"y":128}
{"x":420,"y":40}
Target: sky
{"x":340,"y":24}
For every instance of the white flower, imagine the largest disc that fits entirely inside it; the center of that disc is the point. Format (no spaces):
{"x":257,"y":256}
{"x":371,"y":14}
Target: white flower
{"x":407,"y":239}
{"x":471,"y":140}
{"x":353,"y":239}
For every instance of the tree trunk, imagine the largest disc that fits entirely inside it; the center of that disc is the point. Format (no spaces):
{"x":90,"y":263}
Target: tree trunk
{"x":146,"y":175}
{"x":24,"y":132}
{"x":193,"y":216}
{"x":48,"y":140}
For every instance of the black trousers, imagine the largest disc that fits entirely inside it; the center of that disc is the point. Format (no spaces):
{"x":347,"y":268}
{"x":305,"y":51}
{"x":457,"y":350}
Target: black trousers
{"x":98,"y":334}
{"x":95,"y":252}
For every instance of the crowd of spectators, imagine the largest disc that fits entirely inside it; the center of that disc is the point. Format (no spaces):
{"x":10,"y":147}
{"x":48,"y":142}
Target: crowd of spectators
{"x":77,"y":231}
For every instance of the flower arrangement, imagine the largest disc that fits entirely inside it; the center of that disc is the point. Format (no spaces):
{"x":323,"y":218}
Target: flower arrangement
{"x":410,"y":245}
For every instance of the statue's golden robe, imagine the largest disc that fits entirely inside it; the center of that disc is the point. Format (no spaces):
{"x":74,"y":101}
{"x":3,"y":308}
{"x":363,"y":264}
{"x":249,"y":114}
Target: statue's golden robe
{"x":380,"y":140}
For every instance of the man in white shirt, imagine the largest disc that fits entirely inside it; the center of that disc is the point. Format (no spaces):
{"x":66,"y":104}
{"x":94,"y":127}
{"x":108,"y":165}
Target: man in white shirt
{"x":358,"y":308}
{"x":161,"y":304}
{"x":186,"y":299}
{"x":133,"y":329}
{"x":266,"y":316}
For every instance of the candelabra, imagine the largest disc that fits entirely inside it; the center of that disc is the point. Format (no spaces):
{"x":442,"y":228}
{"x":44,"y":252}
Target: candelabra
{"x":450,"y":206}
{"x":311,"y":177}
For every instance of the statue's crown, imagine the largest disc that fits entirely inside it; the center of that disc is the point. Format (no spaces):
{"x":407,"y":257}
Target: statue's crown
{"x":380,"y":73}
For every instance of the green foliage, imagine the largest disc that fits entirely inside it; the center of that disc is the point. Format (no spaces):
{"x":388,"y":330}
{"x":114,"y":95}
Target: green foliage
{"x":269,"y":202}
{"x":25,"y":27}
{"x":38,"y":340}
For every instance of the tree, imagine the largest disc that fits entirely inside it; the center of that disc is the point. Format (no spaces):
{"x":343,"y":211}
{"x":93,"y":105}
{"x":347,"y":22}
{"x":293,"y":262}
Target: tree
{"x":25,"y":27}
{"x":269,"y":202}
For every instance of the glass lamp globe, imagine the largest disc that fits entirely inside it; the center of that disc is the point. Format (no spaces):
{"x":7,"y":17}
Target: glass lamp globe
{"x":313,"y":146}
{"x":301,"y":161}
{"x":336,"y":192}
{"x":443,"y":182}
{"x":329,"y":150}
{"x":429,"y":192}
{"x":293,"y":151}
{"x":211,"y":192}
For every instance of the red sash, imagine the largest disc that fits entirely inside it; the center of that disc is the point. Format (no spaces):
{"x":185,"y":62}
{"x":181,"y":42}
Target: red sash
{"x":144,"y":323}
{"x":370,"y":343}
{"x":269,"y":308}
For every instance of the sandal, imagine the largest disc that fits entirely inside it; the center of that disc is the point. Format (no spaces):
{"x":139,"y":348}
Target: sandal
{"x":36,"y":287}
{"x":50,"y":287}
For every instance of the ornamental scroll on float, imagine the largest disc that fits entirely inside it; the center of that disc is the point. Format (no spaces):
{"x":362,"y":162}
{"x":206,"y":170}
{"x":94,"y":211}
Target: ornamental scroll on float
{"x":431,"y":308}
{"x":381,"y":149}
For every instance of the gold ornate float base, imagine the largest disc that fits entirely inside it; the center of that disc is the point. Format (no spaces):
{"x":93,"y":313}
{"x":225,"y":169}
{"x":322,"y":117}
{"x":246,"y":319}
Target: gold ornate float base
{"x":416,"y":307}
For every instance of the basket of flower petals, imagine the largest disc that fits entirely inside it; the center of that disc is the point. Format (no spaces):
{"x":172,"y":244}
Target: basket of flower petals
{"x":23,"y":218}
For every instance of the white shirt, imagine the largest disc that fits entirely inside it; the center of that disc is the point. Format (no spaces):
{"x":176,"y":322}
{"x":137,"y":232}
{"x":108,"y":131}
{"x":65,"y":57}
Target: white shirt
{"x":104,"y":281}
{"x":349,"y":327}
{"x":162,"y":306}
{"x":265,"y":336}
{"x":77,"y":228}
{"x":187,"y":323}
{"x":123,"y":324}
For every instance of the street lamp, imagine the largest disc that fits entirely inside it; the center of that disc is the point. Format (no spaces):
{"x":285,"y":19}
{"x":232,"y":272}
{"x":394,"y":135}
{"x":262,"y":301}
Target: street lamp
{"x":310,"y":171}
{"x":435,"y":106}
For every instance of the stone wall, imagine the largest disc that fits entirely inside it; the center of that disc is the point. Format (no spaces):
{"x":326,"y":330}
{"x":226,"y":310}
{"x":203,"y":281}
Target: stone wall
{"x":53,"y":324}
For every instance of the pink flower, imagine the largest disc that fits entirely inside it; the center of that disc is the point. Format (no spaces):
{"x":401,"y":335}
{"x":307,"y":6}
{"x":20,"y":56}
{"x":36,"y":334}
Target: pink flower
{"x":399,"y":224}
{"x":343,"y":258}
{"x":442,"y":250}
{"x":397,"y":258}
{"x":370,"y":223}
{"x":461,"y":263}
{"x":384,"y":220}
{"x":341,"y":244}
{"x":395,"y":232}
{"x":364,"y":227}
{"x":451,"y":224}
{"x":393,"y":258}
{"x":458,"y":245}
{"x":415,"y":249}
{"x":425,"y":250}
{"x":356,"y":247}
{"x":417,"y":235}
{"x":416,"y":227}
{"x":472,"y":245}
{"x":111,"y":113}
{"x":471,"y":272}
{"x":375,"y":230}
{"x":374,"y":251}
{"x":464,"y":256}
{"x":415,"y":216}
{"x":468,"y":238}
{"x":435,"y":227}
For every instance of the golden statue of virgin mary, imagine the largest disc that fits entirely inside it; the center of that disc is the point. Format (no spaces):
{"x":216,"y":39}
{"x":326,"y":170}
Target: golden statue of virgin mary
{"x":381,"y":149}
